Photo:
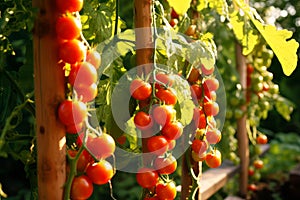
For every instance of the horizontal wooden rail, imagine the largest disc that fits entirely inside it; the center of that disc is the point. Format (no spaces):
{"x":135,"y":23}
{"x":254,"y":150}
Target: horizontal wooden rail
{"x":214,"y":179}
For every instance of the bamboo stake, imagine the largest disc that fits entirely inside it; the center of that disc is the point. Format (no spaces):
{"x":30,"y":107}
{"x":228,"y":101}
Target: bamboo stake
{"x":49,"y":91}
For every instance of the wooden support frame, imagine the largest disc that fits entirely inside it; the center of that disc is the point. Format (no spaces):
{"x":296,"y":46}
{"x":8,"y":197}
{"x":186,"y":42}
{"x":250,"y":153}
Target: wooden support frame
{"x":49,"y":86}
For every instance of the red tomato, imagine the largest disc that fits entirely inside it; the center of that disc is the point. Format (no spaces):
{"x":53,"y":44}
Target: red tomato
{"x":172,"y":130}
{"x":166,"y":191}
{"x":213,"y":159}
{"x":100,"y":173}
{"x":157,"y":145}
{"x":250,"y":69}
{"x":74,"y":128}
{"x":140,"y":89}
{"x":165,"y":165}
{"x":68,"y":27}
{"x":198,"y":111}
{"x":94,"y":58}
{"x":199,"y":146}
{"x":102,"y":147}
{"x":86,"y":93}
{"x":143,"y":120}
{"x":201,"y":121}
{"x":258,"y":164}
{"x":173,"y":22}
{"x":167,"y":96}
{"x":166,"y":79}
{"x":251,"y":171}
{"x":213,"y":136}
{"x":211,"y":108}
{"x":82,"y":187}
{"x":252,"y":187}
{"x":147,"y":178}
{"x":84,"y":73}
{"x":196,"y":91}
{"x":262,"y":139}
{"x":80,"y":138}
{"x":72,"y":112}
{"x":174,"y":14}
{"x":207,"y":72}
{"x":212,"y":84}
{"x":72,"y":51}
{"x":163,"y":114}
{"x":69,"y":5}
{"x":194,"y":75}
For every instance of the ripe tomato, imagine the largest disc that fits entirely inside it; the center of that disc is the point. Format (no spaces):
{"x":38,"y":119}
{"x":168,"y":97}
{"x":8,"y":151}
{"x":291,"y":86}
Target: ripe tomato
{"x":197,"y":112}
{"x":157,"y":145}
{"x":173,"y":22}
{"x":72,"y":51}
{"x":140,"y":89}
{"x":84,"y":159}
{"x":258,"y":164}
{"x":213,"y":136}
{"x":213,"y":159}
{"x":174,"y":14}
{"x":100,"y":173}
{"x":101,"y":147}
{"x":74,"y":128}
{"x":82,"y":187}
{"x":211,"y":108}
{"x":172,"y":130}
{"x":251,"y":171}
{"x":166,"y":191}
{"x":83,"y":73}
{"x":207,"y":72}
{"x":72,"y":112}
{"x":165,"y":165}
{"x":252,"y":187}
{"x":147,"y":177}
{"x":143,"y":120}
{"x":68,"y":27}
{"x":194,"y":75}
{"x":163,"y":114}
{"x":212,"y":84}
{"x":166,"y":79}
{"x":86,"y":92}
{"x":262,"y":139}
{"x":167,"y":96}
{"x":199,"y":146}
{"x":69,"y":6}
{"x":196,"y":91}
{"x":200,"y":122}
{"x":250,"y":69}
{"x":94,"y":58}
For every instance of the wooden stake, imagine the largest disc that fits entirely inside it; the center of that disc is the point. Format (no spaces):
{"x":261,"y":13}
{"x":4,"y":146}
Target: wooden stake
{"x":242,"y":136}
{"x":49,"y":92}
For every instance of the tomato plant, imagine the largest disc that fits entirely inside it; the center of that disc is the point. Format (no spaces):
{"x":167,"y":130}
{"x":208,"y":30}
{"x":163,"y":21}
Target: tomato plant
{"x":100,"y":172}
{"x":147,"y":178}
{"x":72,"y":112}
{"x":82,"y":187}
{"x":140,"y":89}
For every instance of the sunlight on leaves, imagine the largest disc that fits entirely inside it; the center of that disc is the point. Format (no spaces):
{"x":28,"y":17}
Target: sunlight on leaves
{"x":284,"y":48}
{"x":180,"y":6}
{"x":284,"y":108}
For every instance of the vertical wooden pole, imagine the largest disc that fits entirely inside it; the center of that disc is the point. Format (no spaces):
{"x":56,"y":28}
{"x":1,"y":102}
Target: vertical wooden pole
{"x":243,"y":141}
{"x":144,"y":47}
{"x":49,"y":91}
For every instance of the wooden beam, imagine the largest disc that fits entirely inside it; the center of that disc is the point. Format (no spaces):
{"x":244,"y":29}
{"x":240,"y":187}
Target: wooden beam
{"x":49,"y":92}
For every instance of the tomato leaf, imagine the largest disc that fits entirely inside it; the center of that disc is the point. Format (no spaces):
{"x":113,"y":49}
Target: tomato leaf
{"x":180,"y":6}
{"x":284,"y":108}
{"x":284,"y":48}
{"x":246,"y":35}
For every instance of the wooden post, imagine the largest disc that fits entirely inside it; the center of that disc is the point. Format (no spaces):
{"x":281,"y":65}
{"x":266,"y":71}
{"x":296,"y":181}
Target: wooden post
{"x":144,"y":48}
{"x":49,"y":92}
{"x":242,"y":136}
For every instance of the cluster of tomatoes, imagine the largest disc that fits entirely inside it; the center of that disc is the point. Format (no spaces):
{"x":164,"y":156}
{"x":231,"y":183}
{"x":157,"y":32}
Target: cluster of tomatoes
{"x":87,"y":162}
{"x":256,"y":165}
{"x":156,"y":119}
{"x":203,"y":87}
